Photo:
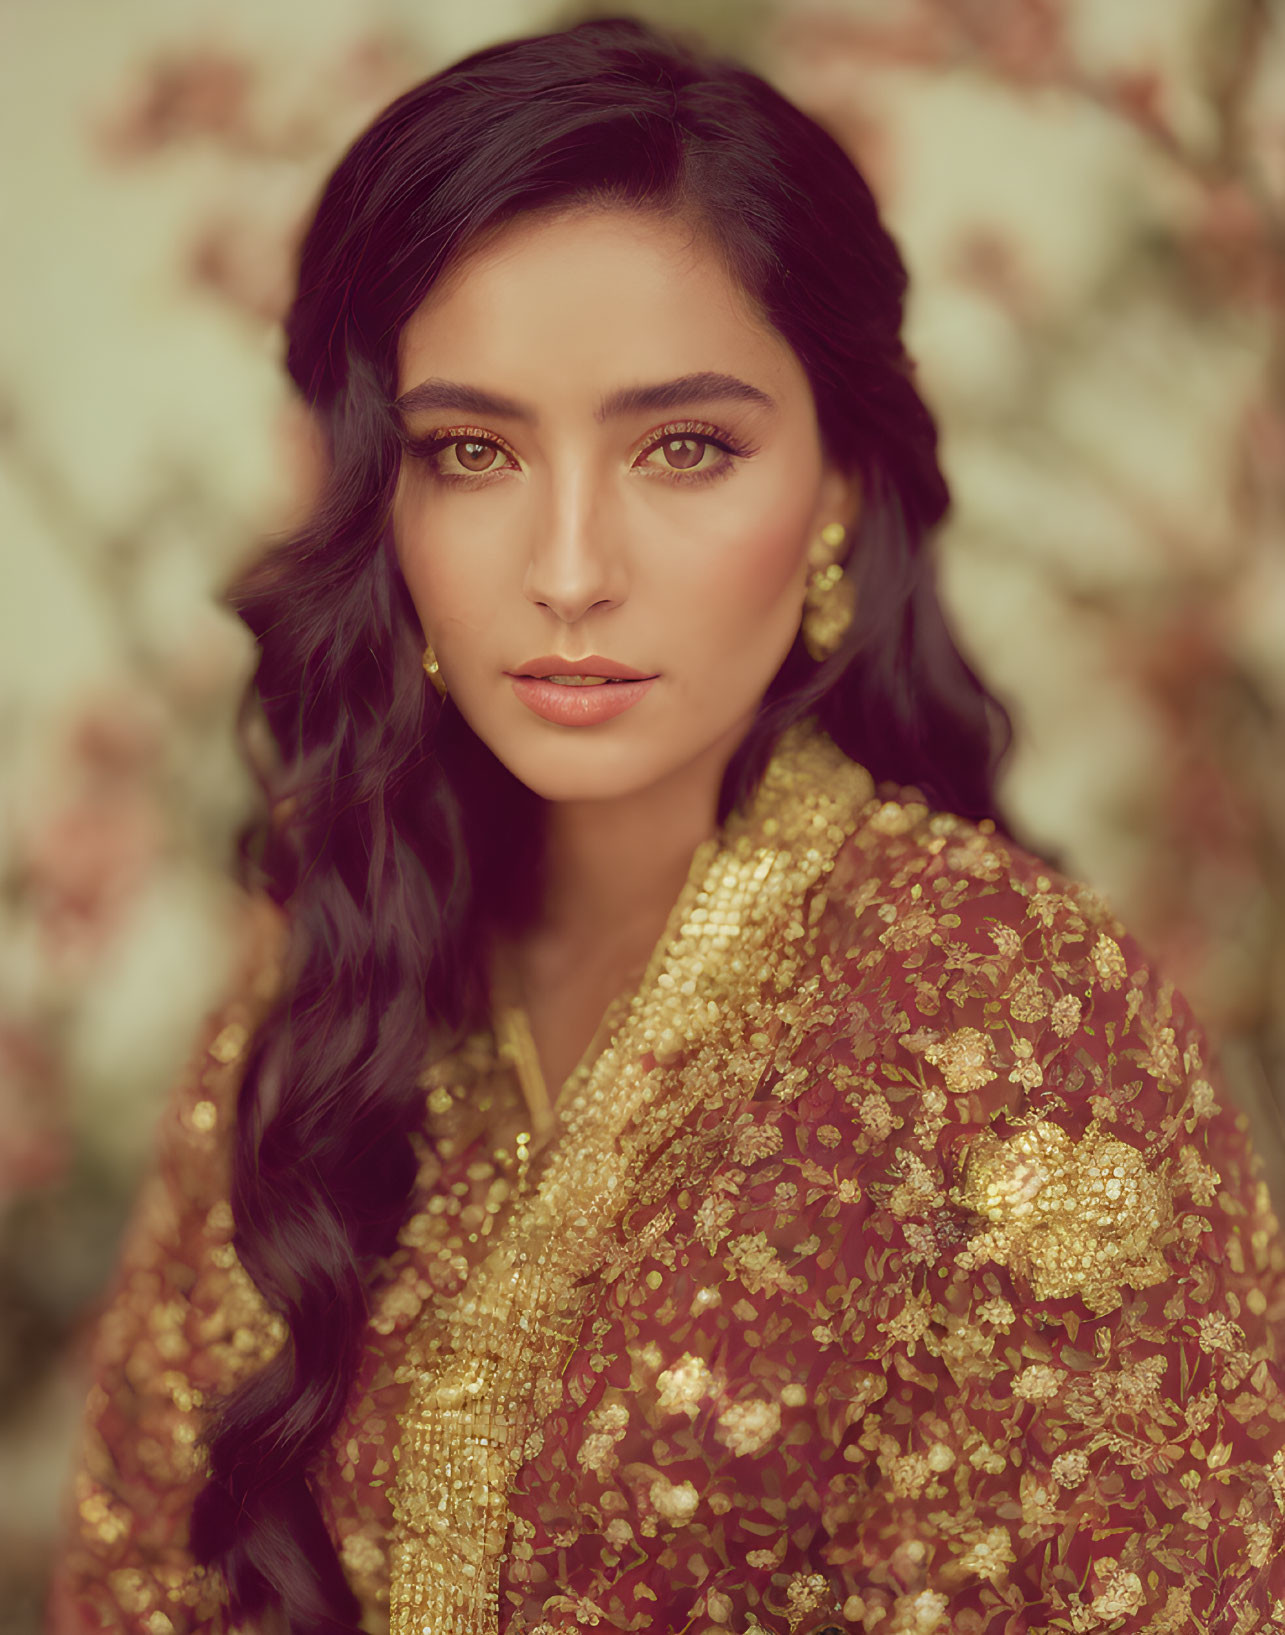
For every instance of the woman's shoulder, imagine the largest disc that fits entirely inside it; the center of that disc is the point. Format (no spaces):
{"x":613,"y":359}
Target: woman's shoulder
{"x":923,"y":890}
{"x":936,"y":927}
{"x":990,"y":1034}
{"x":902,"y":849}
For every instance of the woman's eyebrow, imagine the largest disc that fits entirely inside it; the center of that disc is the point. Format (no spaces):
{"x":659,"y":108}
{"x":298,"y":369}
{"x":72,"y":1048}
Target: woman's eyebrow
{"x":706,"y":387}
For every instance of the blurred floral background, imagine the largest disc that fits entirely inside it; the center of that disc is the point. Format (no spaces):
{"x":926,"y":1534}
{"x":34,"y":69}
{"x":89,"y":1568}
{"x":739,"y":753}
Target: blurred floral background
{"x":1091,"y":199}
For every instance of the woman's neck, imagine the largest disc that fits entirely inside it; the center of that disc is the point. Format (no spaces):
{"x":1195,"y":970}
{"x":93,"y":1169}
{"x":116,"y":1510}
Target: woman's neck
{"x":614,"y":867}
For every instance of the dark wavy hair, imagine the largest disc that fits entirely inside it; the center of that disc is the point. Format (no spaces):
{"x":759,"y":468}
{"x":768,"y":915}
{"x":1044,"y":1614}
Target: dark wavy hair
{"x":389,"y":832}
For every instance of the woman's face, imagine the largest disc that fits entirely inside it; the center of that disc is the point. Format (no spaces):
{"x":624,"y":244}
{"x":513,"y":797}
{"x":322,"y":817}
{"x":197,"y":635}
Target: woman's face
{"x":567,"y":496}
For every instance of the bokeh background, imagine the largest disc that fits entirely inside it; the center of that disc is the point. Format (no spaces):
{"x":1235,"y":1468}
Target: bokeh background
{"x":1090,"y":195}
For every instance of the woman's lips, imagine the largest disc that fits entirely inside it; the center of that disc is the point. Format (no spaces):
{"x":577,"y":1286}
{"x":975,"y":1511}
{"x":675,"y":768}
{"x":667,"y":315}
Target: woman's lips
{"x":577,"y":706}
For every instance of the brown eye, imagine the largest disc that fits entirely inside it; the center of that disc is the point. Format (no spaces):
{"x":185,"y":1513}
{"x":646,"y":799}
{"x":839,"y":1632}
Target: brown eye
{"x":473,"y":454}
{"x":680,"y":450}
{"x":682,"y":453}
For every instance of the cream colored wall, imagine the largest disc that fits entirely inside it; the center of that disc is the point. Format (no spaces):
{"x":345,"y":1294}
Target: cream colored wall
{"x":1097,"y":313}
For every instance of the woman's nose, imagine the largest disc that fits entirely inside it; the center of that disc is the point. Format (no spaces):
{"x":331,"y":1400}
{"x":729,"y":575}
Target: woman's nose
{"x":575,"y":564}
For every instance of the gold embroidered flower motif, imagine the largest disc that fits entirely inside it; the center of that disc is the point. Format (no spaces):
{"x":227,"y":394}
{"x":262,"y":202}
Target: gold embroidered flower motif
{"x":745,"y":1427}
{"x":712,"y":1219}
{"x":918,"y":1191}
{"x":1122,"y":1595}
{"x":910,"y":930}
{"x":1162,"y":1060}
{"x":1046,"y":905}
{"x":920,"y":1611}
{"x":1134,"y":1387}
{"x":875,"y":1114}
{"x":756,"y":1141}
{"x":1219,"y":1333}
{"x":908,"y":1474}
{"x":806,"y":1593}
{"x":1065,"y":1015}
{"x":1027,"y":1001}
{"x":964,"y":1349}
{"x":1040,"y":1500}
{"x":606,"y":1425}
{"x":921,"y":1243}
{"x":784,"y":1197}
{"x":1108,"y":961}
{"x":1037,"y":1383}
{"x":676,"y":1502}
{"x":990,"y":1555}
{"x":927,"y":998}
{"x":964,"y":1058}
{"x":753,"y":1259}
{"x":1259,"y":1536}
{"x":681,"y":1387}
{"x":1070,"y":1469}
{"x":1082,"y":1217}
{"x":911,"y":1322}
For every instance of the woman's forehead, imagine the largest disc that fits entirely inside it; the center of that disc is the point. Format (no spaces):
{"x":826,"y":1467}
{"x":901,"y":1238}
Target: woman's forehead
{"x":610,"y":294}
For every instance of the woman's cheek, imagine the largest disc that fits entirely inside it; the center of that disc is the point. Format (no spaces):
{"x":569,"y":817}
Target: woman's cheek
{"x":764,"y":572}
{"x":448,"y":584}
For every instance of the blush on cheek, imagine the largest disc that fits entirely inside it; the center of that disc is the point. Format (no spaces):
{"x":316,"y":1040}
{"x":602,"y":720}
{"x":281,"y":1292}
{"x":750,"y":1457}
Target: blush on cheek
{"x":766,"y":570}
{"x":743,"y":610}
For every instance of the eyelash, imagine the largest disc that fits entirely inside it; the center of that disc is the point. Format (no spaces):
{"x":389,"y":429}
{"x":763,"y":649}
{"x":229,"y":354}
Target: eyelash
{"x":425,"y":448}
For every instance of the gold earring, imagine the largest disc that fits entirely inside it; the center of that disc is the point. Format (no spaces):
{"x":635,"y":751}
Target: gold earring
{"x":831,"y":600}
{"x":434,"y":672}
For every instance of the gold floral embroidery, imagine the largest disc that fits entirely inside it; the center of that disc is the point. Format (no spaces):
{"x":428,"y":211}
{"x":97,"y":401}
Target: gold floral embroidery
{"x":682,"y":1386}
{"x":965,"y":1058}
{"x":748,"y":1426}
{"x":1074,"y":1217}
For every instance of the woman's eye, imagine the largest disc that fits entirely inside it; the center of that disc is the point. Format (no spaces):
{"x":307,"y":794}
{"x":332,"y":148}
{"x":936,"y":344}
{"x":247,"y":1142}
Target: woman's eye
{"x":471,"y":456}
{"x":683,"y":452}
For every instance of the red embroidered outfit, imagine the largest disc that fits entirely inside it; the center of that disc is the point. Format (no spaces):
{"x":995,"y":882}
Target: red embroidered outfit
{"x":892,"y":1260}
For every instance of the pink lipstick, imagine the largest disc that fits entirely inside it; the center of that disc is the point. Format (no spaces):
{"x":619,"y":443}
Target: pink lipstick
{"x":579,"y":703}
{"x":578,"y":706}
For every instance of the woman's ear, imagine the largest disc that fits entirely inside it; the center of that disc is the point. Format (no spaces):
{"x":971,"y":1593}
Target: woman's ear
{"x":840,"y":499}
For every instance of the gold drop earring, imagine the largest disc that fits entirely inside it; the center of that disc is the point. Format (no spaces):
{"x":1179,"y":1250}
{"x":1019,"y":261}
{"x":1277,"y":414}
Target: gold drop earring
{"x":434,"y":670}
{"x":831,"y":600}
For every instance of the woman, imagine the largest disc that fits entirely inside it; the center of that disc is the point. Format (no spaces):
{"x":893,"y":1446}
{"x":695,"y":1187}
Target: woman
{"x":674,"y":1162}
